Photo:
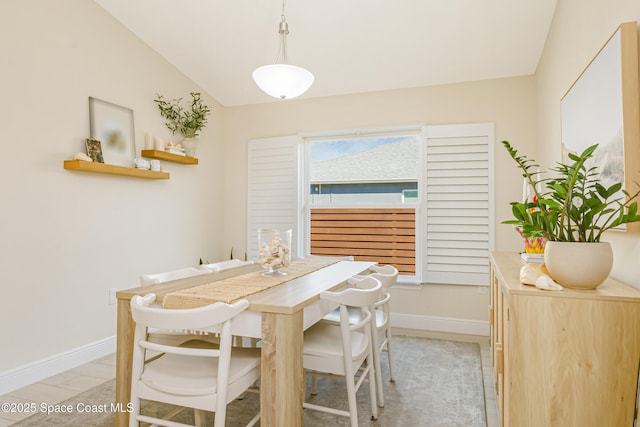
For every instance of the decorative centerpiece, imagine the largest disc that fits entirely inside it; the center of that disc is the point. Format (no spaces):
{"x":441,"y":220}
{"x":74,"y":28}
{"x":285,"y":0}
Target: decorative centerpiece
{"x":571,"y":214}
{"x":274,"y":251}
{"x":189,"y":123}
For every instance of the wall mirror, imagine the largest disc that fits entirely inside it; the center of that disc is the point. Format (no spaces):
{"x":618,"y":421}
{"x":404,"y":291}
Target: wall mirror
{"x":603,"y":106}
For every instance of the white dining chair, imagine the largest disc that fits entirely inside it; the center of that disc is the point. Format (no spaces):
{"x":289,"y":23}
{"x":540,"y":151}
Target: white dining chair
{"x":381,"y":332}
{"x":329,"y":257}
{"x":152,"y":279}
{"x":205,"y":379}
{"x":225,"y":265}
{"x":345,"y":349}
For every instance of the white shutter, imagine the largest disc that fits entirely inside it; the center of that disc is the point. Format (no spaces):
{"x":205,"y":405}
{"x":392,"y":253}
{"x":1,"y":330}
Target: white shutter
{"x":458,"y":204}
{"x":272,"y":195}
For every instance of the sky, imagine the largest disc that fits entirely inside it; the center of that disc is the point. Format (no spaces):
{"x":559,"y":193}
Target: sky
{"x":325,"y":150}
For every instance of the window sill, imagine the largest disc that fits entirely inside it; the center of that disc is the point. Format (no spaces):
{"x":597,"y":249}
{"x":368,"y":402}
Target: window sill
{"x":408,"y":283}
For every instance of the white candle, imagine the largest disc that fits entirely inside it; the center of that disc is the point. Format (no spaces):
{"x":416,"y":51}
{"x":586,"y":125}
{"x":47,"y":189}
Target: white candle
{"x":159,"y":143}
{"x":148,"y":141}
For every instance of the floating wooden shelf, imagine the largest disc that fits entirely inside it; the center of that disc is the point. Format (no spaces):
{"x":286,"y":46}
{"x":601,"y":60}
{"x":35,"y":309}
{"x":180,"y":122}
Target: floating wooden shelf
{"x":169,"y":157}
{"x":80,"y":165}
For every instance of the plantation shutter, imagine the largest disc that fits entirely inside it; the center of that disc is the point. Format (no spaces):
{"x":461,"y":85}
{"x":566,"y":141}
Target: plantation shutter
{"x":272,"y":194}
{"x":458,"y":213}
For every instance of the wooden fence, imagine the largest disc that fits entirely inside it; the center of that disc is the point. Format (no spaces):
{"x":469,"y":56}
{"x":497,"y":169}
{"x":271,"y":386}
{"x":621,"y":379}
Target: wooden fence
{"x":387,"y":236}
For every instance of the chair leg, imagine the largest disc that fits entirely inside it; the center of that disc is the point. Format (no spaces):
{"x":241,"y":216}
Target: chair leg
{"x":254,"y":420}
{"x":376,"y":365}
{"x":198,"y":416}
{"x":314,"y":384}
{"x":351,"y":395}
{"x":372,"y":384}
{"x":390,"y":356}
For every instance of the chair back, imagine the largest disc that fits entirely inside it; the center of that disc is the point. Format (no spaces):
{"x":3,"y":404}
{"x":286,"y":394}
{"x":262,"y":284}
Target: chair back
{"x":382,"y":303}
{"x":225,"y":265}
{"x":363,"y":296}
{"x":152,"y":279}
{"x":209,"y":317}
{"x":387,"y":274}
{"x":330,"y":257}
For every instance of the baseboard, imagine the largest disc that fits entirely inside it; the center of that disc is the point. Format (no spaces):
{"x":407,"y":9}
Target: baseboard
{"x":41,"y":369}
{"x":44,"y":368}
{"x":440,"y":324}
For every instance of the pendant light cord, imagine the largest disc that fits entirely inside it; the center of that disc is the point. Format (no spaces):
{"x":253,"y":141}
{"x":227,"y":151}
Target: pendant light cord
{"x":283,"y":30}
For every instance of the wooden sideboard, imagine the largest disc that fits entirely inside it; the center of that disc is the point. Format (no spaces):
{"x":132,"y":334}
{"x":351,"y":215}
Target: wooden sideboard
{"x":562,"y":358}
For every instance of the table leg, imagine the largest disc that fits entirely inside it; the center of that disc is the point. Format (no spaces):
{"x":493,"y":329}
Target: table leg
{"x":282,"y":382}
{"x":124,"y":355}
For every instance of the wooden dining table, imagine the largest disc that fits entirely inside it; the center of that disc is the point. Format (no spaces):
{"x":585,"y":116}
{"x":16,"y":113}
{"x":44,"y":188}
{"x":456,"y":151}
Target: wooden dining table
{"x":277,"y":315}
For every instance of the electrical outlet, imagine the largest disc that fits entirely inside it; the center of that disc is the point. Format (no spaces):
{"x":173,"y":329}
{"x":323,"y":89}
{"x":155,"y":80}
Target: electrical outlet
{"x":112,"y":296}
{"x":483,"y":290}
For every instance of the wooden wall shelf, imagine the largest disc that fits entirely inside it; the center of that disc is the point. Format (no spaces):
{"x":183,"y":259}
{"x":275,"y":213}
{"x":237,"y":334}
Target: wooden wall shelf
{"x":169,"y":157}
{"x":80,"y":165}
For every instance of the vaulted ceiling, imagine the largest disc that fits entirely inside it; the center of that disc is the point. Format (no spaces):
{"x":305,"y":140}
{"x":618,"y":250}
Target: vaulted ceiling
{"x":351,"y":46}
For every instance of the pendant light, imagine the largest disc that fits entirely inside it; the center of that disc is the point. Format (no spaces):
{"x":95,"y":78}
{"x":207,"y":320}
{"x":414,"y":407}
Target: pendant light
{"x":280,"y":79}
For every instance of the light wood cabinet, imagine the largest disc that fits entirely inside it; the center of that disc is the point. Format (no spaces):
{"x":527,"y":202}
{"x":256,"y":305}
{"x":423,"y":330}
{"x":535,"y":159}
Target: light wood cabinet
{"x":562,"y":358}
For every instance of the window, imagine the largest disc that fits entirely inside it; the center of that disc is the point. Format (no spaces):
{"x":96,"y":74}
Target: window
{"x":362,"y":198}
{"x":363,"y":170}
{"x":419,"y":199}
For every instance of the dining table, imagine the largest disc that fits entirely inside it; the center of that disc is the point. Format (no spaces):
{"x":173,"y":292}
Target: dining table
{"x":279,"y":312}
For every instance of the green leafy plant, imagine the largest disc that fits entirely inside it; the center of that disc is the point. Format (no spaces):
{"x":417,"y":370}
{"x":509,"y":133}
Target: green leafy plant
{"x":186,"y":122}
{"x":574,"y":206}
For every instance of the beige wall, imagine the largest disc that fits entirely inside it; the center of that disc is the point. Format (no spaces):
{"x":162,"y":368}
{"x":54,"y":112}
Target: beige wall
{"x":509,"y":103}
{"x":67,"y":237}
{"x":578,"y":31}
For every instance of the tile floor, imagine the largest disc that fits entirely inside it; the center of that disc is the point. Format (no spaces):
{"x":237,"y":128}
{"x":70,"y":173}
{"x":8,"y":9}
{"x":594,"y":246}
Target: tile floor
{"x":63,"y":386}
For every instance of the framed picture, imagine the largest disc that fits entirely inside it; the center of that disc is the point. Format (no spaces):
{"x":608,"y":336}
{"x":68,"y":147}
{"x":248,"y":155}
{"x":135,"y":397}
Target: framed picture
{"x":112,"y":125}
{"x":94,"y":150}
{"x":603,"y":107}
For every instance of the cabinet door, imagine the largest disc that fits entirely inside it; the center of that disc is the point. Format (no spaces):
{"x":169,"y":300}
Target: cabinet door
{"x":499,"y":348}
{"x":494,"y":319}
{"x":573,"y":361}
{"x":504,"y":378}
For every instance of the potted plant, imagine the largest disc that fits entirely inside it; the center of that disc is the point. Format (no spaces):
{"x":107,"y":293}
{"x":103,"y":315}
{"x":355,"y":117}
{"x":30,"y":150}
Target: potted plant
{"x":188,"y":122}
{"x":571,"y":211}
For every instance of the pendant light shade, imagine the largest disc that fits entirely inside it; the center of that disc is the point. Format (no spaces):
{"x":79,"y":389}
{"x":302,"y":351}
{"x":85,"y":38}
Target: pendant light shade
{"x":282,"y":80}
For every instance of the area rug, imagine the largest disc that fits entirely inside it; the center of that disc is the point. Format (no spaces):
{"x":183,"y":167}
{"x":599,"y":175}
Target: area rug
{"x":438,"y":384}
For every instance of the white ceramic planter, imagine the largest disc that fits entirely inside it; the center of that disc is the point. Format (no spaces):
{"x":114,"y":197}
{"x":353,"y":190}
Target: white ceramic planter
{"x":578,"y":265}
{"x":190,"y":145}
